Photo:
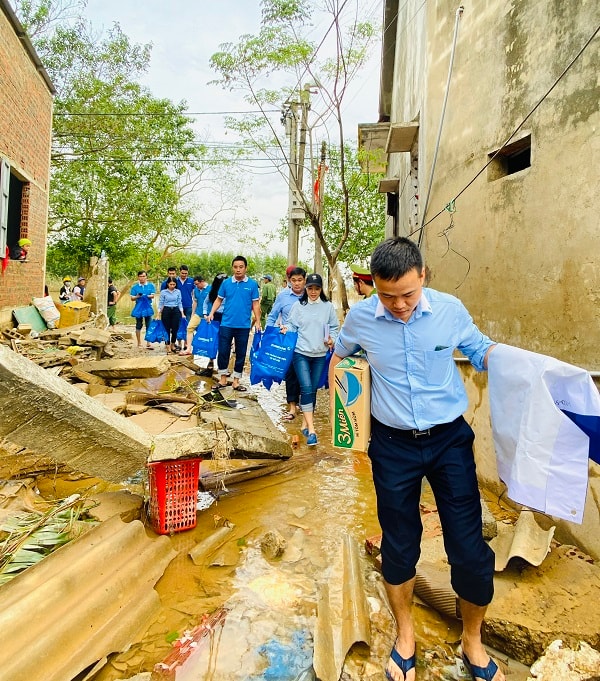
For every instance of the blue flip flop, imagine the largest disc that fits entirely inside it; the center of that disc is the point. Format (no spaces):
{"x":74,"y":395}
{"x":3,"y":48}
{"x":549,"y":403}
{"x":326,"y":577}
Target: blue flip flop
{"x":405,"y":665}
{"x":485,"y":673}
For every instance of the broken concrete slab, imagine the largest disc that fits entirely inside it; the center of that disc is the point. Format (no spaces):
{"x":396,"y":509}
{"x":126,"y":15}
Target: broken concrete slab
{"x":534,"y":606}
{"x":46,"y":414}
{"x":93,"y":597}
{"x":92,"y":336}
{"x":133,"y":367}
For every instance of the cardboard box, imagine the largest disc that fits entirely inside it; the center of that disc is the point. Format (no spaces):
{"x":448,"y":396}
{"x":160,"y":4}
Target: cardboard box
{"x":74,"y":312}
{"x":351,"y":421}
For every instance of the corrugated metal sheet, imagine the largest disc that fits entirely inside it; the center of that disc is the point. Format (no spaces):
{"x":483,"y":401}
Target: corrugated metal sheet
{"x":342,"y":614}
{"x":92,"y":597}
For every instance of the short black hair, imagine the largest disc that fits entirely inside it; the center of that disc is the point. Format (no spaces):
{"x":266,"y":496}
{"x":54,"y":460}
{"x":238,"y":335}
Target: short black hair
{"x":109,"y":280}
{"x":171,"y":280}
{"x":395,"y":257}
{"x":142,"y":272}
{"x":240,"y":258}
{"x":297,"y":271}
{"x":171,"y":268}
{"x":198,"y":278}
{"x":184,"y":267}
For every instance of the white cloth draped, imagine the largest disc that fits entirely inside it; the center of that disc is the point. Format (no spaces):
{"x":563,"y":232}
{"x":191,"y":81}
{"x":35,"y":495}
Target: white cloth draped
{"x":542,"y":455}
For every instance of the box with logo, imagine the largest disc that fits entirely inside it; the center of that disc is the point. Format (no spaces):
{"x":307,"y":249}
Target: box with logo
{"x":351,"y":422}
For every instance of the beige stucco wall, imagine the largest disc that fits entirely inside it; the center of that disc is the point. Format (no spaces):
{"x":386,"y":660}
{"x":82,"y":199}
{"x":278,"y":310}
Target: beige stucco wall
{"x":523,"y":251}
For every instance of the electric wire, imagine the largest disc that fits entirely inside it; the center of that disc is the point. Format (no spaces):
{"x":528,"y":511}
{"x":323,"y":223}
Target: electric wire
{"x":513,"y":133}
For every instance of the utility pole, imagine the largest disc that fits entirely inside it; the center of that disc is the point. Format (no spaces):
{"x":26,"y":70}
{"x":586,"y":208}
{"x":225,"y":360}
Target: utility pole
{"x":290,"y":120}
{"x":297,"y":154}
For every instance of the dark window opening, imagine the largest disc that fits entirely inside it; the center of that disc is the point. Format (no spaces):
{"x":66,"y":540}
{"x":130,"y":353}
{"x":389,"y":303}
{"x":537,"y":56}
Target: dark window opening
{"x":510,"y":159}
{"x":15,"y":201}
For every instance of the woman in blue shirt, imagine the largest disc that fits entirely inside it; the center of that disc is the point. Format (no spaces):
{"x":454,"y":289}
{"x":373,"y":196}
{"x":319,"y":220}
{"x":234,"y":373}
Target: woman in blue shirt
{"x":170,"y":310}
{"x":316,"y":322}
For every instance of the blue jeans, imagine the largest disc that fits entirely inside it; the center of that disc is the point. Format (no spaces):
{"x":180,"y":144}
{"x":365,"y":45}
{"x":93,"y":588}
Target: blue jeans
{"x":240,"y":336}
{"x":308,"y":370}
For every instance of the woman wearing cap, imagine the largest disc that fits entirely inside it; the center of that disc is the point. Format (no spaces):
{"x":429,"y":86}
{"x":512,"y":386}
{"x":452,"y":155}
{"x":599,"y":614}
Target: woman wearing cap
{"x":316,"y":322}
{"x":65,"y":294}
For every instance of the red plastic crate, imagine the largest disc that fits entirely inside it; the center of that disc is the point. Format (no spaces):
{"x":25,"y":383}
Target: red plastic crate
{"x":173,"y":494}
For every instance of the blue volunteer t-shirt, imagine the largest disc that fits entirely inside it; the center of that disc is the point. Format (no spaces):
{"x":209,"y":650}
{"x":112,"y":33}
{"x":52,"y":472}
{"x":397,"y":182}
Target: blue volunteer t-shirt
{"x":238,"y":297}
{"x":187,"y":288}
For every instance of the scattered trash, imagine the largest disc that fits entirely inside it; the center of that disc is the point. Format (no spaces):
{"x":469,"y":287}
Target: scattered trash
{"x":288,"y":662}
{"x":205,"y":500}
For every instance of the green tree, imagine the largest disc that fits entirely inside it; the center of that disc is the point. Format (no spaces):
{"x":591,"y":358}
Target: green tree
{"x":126,"y":169}
{"x":269,"y":68}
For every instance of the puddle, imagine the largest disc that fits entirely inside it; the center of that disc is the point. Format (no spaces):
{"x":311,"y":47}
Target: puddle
{"x":271,"y":604}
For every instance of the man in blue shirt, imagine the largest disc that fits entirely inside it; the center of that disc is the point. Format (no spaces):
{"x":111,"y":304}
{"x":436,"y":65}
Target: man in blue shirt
{"x":142,"y":294}
{"x":409,"y":334}
{"x":240,"y":296}
{"x":199,"y":294}
{"x":171,"y":274}
{"x":278,"y":316}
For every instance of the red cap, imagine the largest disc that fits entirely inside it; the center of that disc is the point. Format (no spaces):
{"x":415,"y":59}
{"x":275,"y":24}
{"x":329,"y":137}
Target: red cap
{"x":289,"y":270}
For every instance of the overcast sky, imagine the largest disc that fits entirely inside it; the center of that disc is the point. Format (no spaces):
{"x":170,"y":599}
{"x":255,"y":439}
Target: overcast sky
{"x":184,"y":34}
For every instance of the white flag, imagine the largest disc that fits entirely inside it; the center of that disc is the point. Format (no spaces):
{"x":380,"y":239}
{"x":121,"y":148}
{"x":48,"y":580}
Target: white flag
{"x":542,"y":454}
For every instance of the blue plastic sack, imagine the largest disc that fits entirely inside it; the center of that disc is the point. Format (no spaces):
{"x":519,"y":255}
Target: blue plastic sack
{"x":206,"y":339}
{"x":324,"y":379}
{"x":182,"y":330}
{"x":142,"y":308}
{"x":271,"y":356}
{"x":156,"y":332}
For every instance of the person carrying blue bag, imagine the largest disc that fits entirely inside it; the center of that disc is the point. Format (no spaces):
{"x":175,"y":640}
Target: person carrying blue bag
{"x":170,"y":310}
{"x":271,"y":356}
{"x":315,"y":320}
{"x":142,"y":294}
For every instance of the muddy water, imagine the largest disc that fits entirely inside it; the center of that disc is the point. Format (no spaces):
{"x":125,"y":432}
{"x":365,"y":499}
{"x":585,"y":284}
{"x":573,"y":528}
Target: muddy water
{"x":272,"y":603}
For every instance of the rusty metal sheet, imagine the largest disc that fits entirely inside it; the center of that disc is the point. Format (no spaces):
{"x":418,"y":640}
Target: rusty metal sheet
{"x":90,"y":598}
{"x":342,"y":613}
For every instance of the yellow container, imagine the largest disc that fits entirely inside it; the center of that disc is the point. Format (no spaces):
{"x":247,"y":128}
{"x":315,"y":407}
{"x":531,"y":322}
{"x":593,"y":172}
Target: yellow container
{"x":74,"y":312}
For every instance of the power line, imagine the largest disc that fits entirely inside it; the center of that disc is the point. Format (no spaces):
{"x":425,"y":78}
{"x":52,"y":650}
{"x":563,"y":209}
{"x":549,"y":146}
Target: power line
{"x":513,"y":133}
{"x":173,"y":113}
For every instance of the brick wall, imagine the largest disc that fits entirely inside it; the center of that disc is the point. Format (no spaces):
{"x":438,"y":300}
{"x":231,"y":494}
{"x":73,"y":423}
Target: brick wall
{"x":25,"y":136}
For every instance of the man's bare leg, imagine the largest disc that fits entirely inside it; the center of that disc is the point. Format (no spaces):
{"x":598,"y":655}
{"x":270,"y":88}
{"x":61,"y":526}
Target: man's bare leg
{"x":472,"y":616}
{"x":400,"y":598}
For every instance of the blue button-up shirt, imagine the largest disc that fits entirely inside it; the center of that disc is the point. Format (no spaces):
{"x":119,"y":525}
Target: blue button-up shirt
{"x":283,"y":304}
{"x":414,"y":379}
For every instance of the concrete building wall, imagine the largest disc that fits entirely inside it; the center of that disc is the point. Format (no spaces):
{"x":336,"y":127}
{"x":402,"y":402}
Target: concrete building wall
{"x":521,"y":250}
{"x":25,"y":136}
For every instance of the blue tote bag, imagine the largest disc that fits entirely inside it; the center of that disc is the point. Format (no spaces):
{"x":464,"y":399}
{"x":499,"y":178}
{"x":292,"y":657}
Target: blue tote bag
{"x":271,"y":356}
{"x":142,"y":308}
{"x":206,"y":339}
{"x":156,"y":332}
{"x":182,"y":330}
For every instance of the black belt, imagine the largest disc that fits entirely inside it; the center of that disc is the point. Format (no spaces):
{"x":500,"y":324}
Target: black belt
{"x":415,"y":434}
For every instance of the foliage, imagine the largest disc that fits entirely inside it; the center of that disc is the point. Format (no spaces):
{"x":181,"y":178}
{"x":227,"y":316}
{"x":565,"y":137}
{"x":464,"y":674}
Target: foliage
{"x":283,"y":56}
{"x":126,"y":169}
{"x":366,"y":208}
{"x":27,"y":538}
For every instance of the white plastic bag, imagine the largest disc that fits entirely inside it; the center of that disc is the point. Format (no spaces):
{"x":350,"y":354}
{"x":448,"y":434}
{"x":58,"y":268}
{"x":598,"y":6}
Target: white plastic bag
{"x":46,"y":307}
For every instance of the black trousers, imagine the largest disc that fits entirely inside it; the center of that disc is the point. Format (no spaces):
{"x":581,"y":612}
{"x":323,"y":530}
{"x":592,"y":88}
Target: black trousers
{"x":171,"y":317}
{"x":400,"y":461}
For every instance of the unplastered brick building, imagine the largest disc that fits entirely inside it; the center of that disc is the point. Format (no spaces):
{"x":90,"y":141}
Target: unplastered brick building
{"x":25,"y":137}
